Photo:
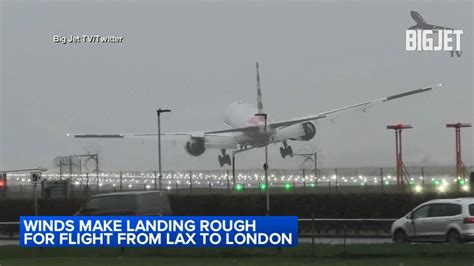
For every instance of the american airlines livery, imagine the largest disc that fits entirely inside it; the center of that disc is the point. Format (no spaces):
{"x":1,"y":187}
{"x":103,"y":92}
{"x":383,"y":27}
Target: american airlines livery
{"x":245,"y":128}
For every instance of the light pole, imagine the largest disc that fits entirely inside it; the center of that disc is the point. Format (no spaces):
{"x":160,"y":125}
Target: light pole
{"x":158,"y":113}
{"x":265,"y":166}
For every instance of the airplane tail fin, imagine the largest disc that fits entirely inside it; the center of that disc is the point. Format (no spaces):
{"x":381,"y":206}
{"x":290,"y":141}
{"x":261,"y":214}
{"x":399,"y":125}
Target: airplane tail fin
{"x":259,"y":92}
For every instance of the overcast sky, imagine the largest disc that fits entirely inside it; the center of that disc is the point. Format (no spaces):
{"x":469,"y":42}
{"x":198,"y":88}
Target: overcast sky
{"x":197,"y":57}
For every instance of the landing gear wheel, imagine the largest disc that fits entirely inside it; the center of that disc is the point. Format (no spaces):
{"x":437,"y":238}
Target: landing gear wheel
{"x":400,"y":237}
{"x":286,"y":151}
{"x":289,"y":151}
{"x":221,"y":160}
{"x":226,"y":159}
{"x":282,"y":152}
{"x":454,"y":237}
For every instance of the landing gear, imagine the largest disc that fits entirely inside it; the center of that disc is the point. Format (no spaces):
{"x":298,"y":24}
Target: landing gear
{"x":224,"y":159}
{"x":286,"y":150}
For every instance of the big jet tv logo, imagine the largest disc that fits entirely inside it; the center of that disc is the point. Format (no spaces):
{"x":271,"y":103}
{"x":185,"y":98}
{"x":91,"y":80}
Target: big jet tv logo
{"x":429,"y":37}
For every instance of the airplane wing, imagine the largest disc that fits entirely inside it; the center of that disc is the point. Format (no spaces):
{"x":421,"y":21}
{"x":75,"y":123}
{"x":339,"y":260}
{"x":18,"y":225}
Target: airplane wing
{"x":440,"y":27}
{"x":415,"y":27}
{"x":211,"y":141}
{"x":428,"y":27}
{"x":125,"y":135}
{"x":362,"y":106}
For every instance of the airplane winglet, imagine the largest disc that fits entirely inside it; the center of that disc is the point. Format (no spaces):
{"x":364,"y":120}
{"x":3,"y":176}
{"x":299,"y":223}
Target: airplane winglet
{"x":404,"y":94}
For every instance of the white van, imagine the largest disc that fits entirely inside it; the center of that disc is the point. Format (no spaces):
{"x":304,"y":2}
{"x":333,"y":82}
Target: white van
{"x":449,"y":220}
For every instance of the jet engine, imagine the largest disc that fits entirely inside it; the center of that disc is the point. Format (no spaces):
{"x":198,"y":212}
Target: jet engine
{"x":304,"y":131}
{"x":196,"y":146}
{"x":309,"y":131}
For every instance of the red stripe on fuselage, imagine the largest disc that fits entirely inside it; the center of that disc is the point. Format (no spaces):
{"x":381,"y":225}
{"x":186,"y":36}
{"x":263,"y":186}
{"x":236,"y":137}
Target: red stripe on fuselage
{"x":257,"y":120}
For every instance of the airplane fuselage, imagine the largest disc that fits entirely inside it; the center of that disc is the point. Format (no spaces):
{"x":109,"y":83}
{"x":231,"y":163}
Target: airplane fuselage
{"x":242,"y":115}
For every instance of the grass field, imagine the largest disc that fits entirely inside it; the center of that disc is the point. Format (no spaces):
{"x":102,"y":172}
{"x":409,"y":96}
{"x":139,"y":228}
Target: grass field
{"x":385,"y":254}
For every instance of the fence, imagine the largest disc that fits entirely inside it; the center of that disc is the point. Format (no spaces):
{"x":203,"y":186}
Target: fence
{"x":333,"y":180}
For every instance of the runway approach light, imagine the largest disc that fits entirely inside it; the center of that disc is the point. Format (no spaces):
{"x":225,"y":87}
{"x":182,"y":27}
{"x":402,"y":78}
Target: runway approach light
{"x":442,"y":188}
{"x":239,"y":187}
{"x":418,"y":189}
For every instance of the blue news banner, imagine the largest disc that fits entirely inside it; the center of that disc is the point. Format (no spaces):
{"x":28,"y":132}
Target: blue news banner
{"x":158,"y":231}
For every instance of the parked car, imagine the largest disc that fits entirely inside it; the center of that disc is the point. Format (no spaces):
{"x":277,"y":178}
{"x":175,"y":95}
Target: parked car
{"x":450,"y":220}
{"x":127,"y":203}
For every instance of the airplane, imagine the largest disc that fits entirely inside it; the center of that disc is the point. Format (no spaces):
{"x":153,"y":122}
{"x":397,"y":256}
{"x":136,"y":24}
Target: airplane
{"x":245,"y":127}
{"x":422,"y":25}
